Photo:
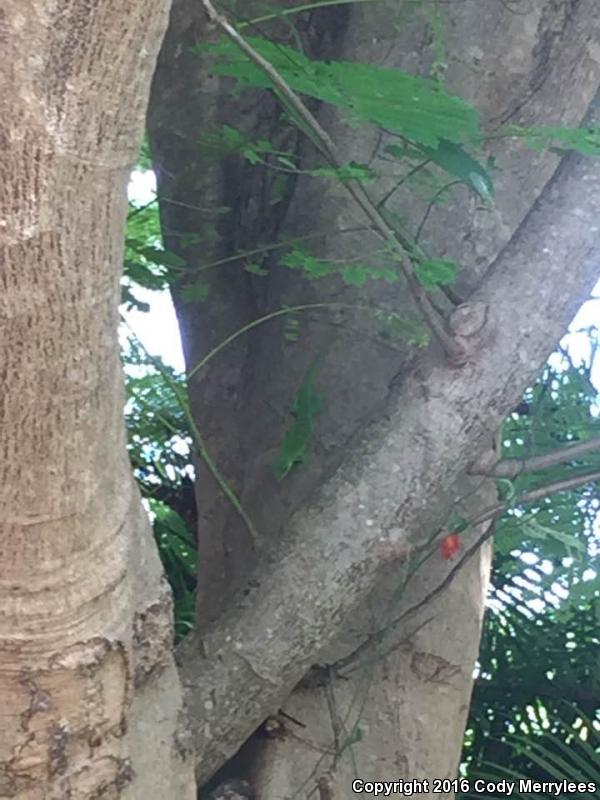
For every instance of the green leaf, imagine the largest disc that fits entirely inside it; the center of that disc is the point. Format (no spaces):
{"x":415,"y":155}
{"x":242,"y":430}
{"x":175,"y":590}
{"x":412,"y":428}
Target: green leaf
{"x":131,"y":301}
{"x":412,"y":331}
{"x":355,"y":736}
{"x":174,"y":540}
{"x":305,"y":405}
{"x":146,"y":275}
{"x":417,"y":108}
{"x":286,"y":162}
{"x":506,"y":489}
{"x":351,"y":274}
{"x":251,"y":156}
{"x":453,"y":159}
{"x":436,"y":272}
{"x":457,"y":523}
{"x":482,"y":185}
{"x":279,"y":188}
{"x":582,"y":140}
{"x":231,"y":139}
{"x":358,"y":274}
{"x":312,"y":267}
{"x":570,"y":542}
{"x":255,"y":269}
{"x":162,"y":257}
{"x":354,"y":276}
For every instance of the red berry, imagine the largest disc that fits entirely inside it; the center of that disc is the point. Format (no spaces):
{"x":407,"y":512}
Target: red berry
{"x":450,"y":545}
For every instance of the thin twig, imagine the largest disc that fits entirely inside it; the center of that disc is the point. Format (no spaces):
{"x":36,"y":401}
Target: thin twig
{"x":493,"y":512}
{"x":273,"y":315}
{"x":512,"y":467}
{"x":431,"y":204}
{"x":336,"y":724}
{"x":241,"y":254}
{"x":421,"y":165}
{"x":372,"y":641}
{"x":198,"y":440}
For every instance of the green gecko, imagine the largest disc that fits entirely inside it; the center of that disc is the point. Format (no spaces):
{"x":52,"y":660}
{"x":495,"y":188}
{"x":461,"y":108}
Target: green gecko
{"x":295,"y":443}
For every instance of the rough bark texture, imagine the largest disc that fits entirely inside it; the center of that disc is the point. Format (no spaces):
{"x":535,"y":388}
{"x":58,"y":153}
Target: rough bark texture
{"x":88,"y":688}
{"x":386,"y":700}
{"x":398,"y":428}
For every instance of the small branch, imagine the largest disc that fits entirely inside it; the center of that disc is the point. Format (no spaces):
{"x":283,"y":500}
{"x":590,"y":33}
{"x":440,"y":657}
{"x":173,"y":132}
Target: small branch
{"x":274,"y":315}
{"x":135,"y":210}
{"x":512,"y":467}
{"x":336,"y":723}
{"x":373,"y":640}
{"x":537,"y":494}
{"x":198,"y":440}
{"x":259,"y":321}
{"x":323,"y":141}
{"x":267,"y":248}
{"x":400,"y":242}
{"x":284,"y":12}
{"x":381,"y":203}
{"x":431,"y":205}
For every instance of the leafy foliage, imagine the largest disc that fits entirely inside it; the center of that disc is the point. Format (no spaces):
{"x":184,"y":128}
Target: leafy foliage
{"x":160,"y":446}
{"x":554,"y":749}
{"x":351,"y":274}
{"x":147,"y":264}
{"x":453,"y":159}
{"x":561,"y":139}
{"x":417,"y":108}
{"x":177,"y":550}
{"x":538,"y":669}
{"x":261,"y":151}
{"x":436,"y":272}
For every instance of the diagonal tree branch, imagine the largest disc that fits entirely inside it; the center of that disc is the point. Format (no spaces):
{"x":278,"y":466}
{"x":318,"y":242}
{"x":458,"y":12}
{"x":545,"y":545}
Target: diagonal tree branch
{"x":331,"y":557}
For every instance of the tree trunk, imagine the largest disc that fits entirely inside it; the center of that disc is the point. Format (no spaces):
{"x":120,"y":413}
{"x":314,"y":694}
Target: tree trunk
{"x":90,"y":694}
{"x":88,"y":688}
{"x":532,"y":66}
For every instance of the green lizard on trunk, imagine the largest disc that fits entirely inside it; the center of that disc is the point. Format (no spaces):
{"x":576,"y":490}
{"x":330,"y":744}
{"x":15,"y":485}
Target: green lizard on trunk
{"x":295,"y":443}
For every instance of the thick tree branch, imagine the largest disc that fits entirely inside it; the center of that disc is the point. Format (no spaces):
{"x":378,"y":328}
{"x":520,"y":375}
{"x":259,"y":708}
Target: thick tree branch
{"x":335,"y":548}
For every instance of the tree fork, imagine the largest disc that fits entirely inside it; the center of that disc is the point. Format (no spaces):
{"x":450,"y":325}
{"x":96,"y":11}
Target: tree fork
{"x":262,"y":646}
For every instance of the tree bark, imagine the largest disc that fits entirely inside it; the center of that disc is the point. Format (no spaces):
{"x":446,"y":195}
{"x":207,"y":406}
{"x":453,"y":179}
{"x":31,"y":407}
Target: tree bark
{"x":88,"y":688}
{"x":435,"y":425}
{"x":398,"y":429}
